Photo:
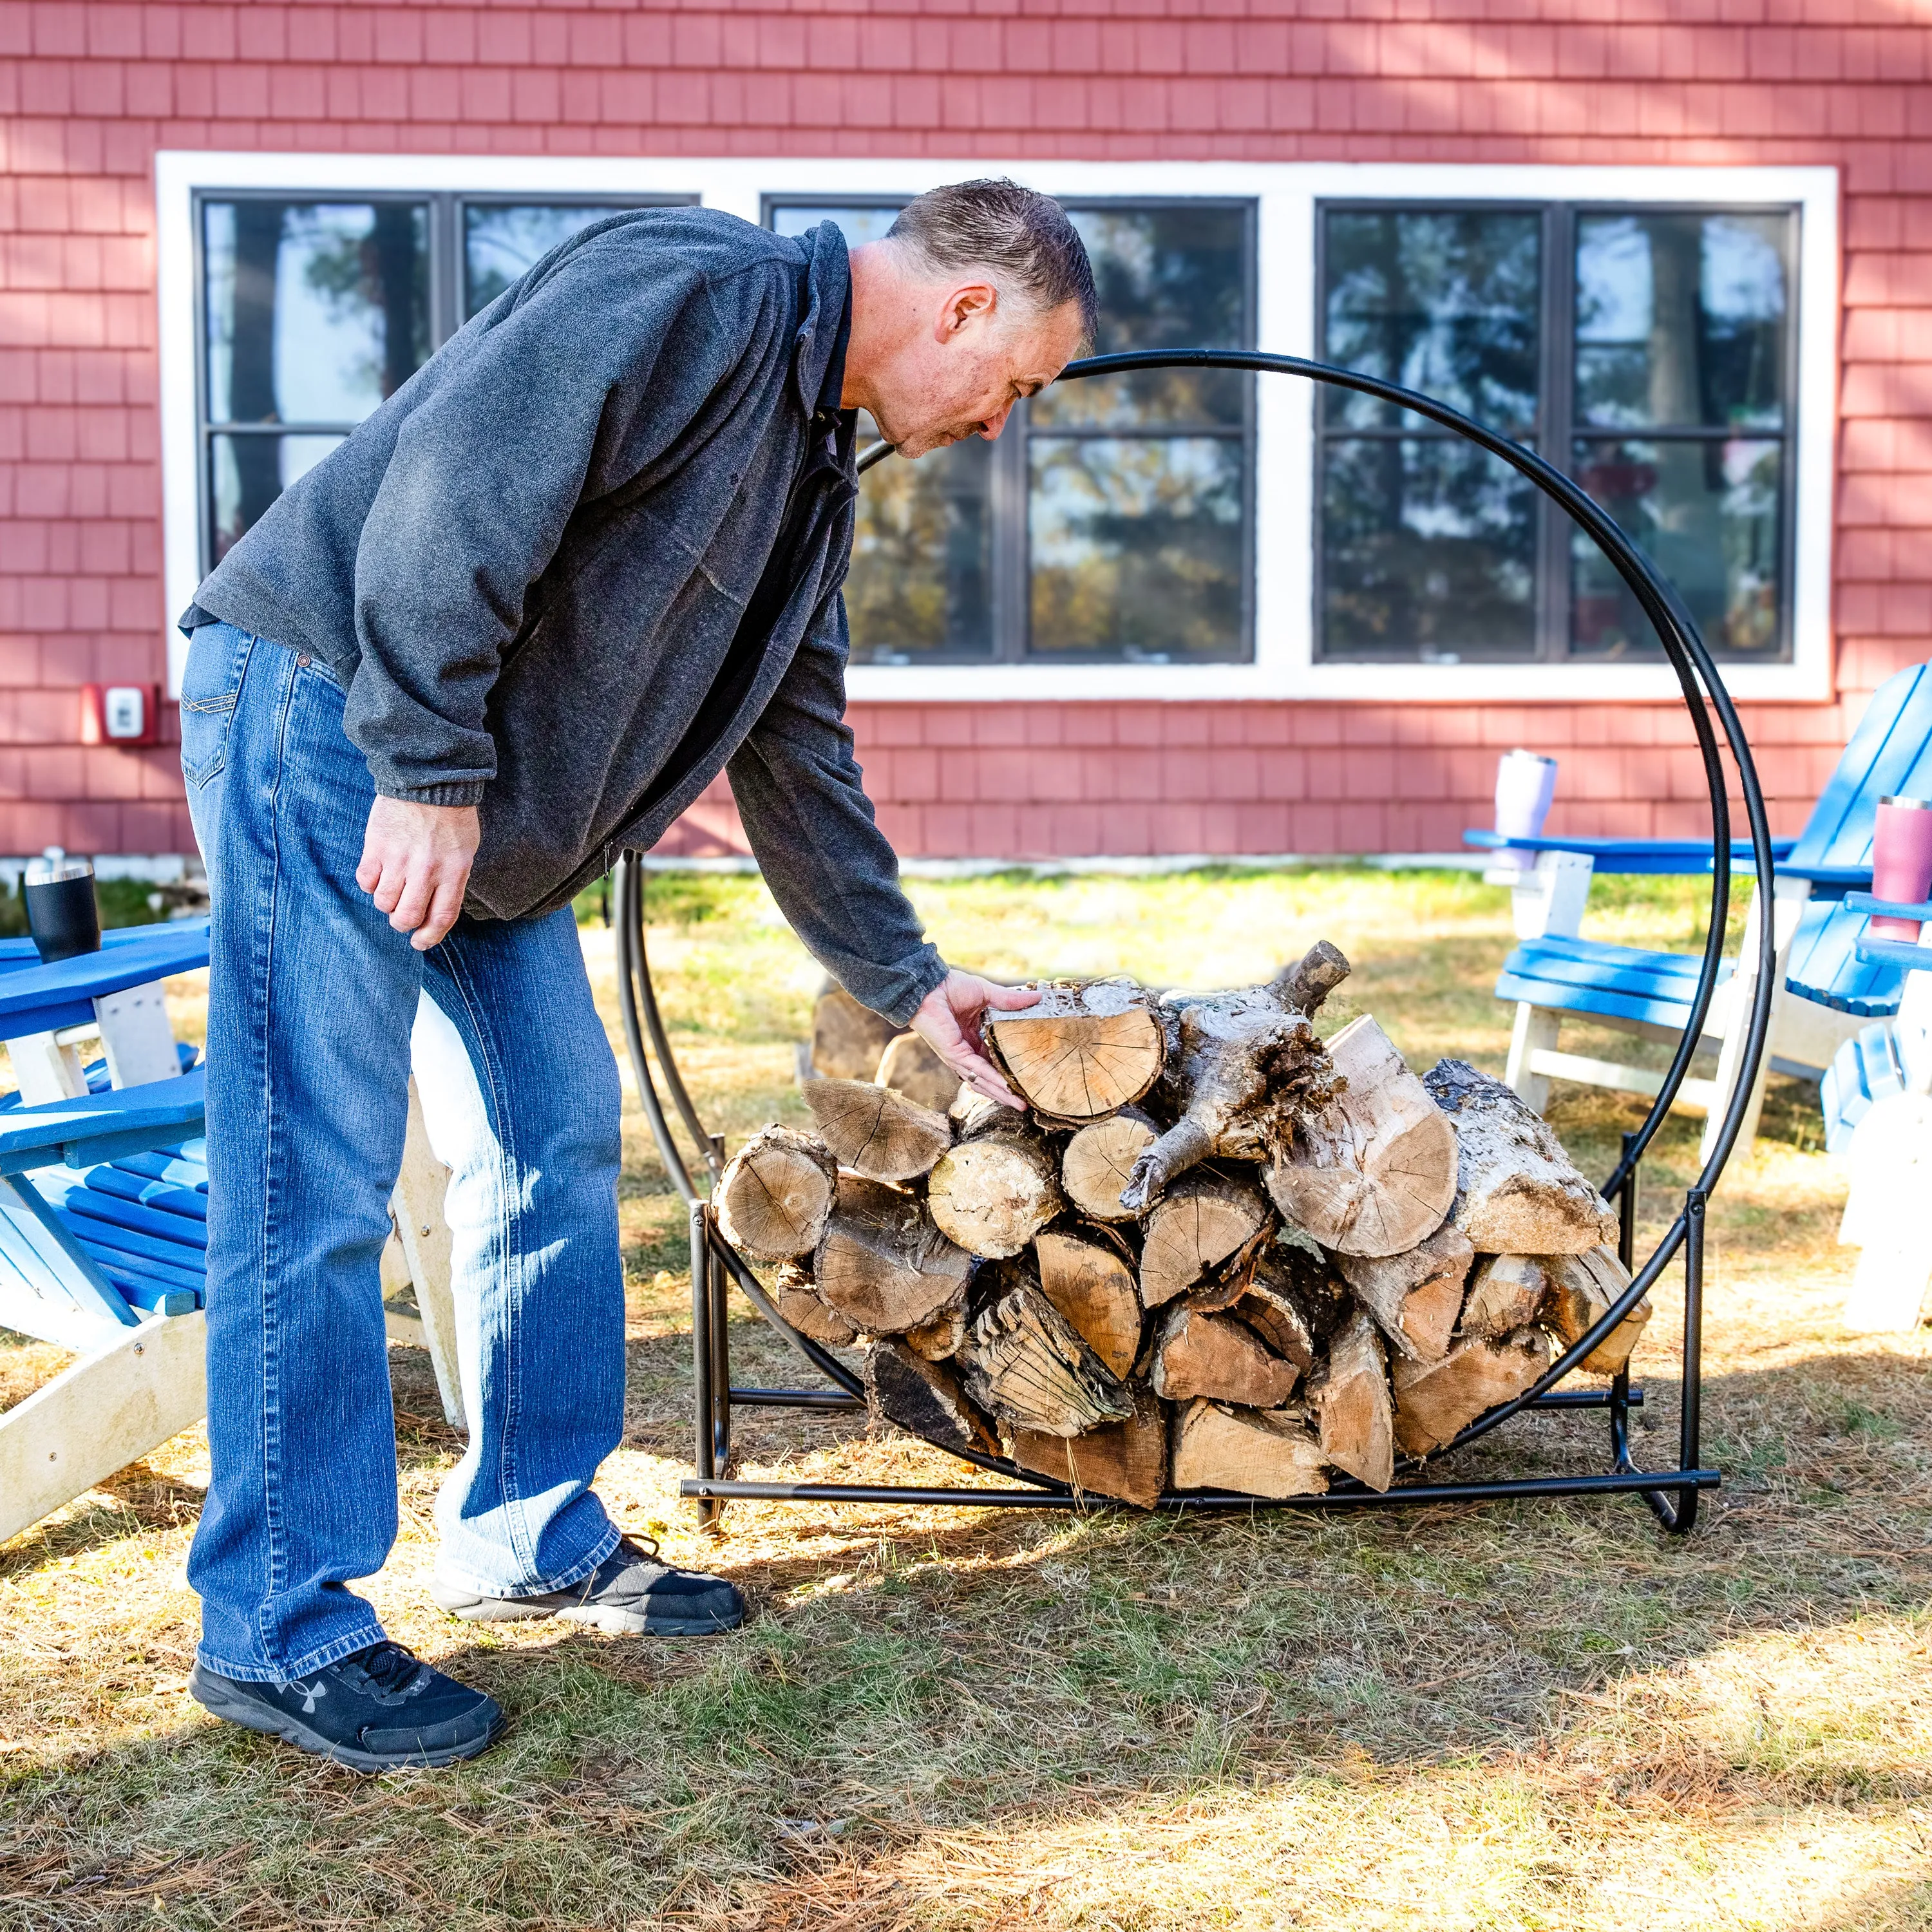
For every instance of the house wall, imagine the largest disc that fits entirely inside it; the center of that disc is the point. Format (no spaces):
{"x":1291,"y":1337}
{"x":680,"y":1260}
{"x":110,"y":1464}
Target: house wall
{"x":89,"y":92}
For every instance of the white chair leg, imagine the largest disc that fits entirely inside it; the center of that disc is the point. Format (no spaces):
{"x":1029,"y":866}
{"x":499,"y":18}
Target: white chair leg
{"x":108,"y":1410}
{"x":1535,"y":1031}
{"x":417,"y":1204}
{"x":45,"y":1070}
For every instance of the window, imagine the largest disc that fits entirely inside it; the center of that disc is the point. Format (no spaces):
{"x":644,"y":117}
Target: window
{"x":316,"y":310}
{"x":1650,"y":351}
{"x":1112,"y":521}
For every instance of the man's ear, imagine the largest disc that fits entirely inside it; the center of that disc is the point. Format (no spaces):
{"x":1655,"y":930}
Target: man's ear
{"x":962,"y":305}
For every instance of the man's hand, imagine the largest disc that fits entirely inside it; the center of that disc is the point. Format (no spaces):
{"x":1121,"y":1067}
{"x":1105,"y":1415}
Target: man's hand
{"x":416,"y":865}
{"x":948,"y":1020}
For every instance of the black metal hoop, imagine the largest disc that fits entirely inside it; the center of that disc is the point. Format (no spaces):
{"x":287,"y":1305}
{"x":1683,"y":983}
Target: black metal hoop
{"x":1672,"y":1494}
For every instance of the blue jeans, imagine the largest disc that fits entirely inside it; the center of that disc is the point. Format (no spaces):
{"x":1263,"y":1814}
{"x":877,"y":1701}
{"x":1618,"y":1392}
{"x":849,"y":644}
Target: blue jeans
{"x":312,"y":1001}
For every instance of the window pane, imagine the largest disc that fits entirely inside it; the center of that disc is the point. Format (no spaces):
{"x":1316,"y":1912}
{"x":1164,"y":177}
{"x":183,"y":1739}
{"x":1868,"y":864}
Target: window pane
{"x":920,"y":589}
{"x":860,"y":225}
{"x":317,"y":311}
{"x":1680,"y":319}
{"x":1171,"y":277}
{"x":248,"y":473}
{"x":1428,"y":550}
{"x":501,"y":243}
{"x":1706,"y":514}
{"x":1136,"y":548}
{"x":1446,"y":302}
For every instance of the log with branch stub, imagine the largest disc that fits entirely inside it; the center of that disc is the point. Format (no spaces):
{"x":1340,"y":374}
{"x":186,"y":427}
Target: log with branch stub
{"x":1219,"y":1357}
{"x":1517,"y":1192}
{"x":992,"y":1193}
{"x":1506,"y":1293}
{"x":1091,"y":1283}
{"x":774,"y":1194}
{"x":1581,"y":1288}
{"x":883,"y":1264}
{"x":1082,"y":1052}
{"x":1126,"y":1460}
{"x":1255,"y":1452}
{"x":1436,"y":1401}
{"x":1350,"y":1396}
{"x":909,"y":1066}
{"x":1098,"y":1161}
{"x":923,"y":1397}
{"x":1375,"y":1172}
{"x":1025,"y":1362}
{"x":1240,"y":1068}
{"x":1416,"y":1296}
{"x":874,"y":1131}
{"x":1207,"y":1220}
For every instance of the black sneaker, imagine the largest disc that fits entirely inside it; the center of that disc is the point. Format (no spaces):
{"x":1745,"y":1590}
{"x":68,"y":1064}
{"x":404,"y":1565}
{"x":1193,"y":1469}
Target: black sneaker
{"x":629,"y":1594}
{"x":382,"y":1709}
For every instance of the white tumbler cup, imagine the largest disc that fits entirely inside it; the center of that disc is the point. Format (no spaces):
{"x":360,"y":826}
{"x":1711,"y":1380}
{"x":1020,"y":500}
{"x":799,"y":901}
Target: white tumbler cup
{"x":1525,"y":784}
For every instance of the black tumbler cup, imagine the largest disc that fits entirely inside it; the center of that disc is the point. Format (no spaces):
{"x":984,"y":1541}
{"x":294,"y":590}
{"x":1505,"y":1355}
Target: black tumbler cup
{"x":62,"y":912}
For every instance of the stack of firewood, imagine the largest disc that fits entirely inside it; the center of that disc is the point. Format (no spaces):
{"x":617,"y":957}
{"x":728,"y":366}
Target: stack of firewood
{"x":1216,"y":1252}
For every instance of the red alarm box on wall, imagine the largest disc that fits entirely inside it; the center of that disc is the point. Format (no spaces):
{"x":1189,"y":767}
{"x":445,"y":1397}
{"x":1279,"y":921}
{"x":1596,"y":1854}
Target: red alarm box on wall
{"x":120,"y":714}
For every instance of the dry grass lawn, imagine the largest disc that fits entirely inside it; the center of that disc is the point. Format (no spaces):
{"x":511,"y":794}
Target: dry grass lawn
{"x":1550,"y":1717}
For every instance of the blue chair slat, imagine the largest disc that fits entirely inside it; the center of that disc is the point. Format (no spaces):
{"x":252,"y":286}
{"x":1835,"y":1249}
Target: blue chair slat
{"x":1890,"y":752}
{"x":102,"y":1126}
{"x":158,"y":1194}
{"x":1900,"y":956}
{"x":165,"y":1261}
{"x":23,"y":952}
{"x":92,"y":1203}
{"x":1823,"y":965}
{"x":186,"y":1165}
{"x":158,"y":1298}
{"x":1614,"y":982}
{"x":1676,"y":856}
{"x":1863,"y":902}
{"x":36,"y":999}
{"x":1865,"y":1068}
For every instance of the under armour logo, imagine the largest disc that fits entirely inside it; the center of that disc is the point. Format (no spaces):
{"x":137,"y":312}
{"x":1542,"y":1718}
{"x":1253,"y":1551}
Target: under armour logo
{"x":311,"y":1692}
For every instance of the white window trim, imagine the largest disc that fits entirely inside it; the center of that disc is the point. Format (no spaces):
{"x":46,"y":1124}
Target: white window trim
{"x":1286,"y":194}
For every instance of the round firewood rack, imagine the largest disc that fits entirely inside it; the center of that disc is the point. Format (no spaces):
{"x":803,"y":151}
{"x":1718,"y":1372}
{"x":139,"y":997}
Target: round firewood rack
{"x":1672,"y":1493}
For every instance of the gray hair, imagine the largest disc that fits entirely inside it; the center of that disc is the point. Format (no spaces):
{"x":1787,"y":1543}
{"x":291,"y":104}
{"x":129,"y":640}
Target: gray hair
{"x":1024,"y":238}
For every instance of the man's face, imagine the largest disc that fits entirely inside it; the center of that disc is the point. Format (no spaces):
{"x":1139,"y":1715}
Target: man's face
{"x":962,"y":370}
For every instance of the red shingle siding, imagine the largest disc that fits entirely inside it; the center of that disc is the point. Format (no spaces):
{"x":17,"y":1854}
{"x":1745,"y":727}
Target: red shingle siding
{"x":87,"y":92}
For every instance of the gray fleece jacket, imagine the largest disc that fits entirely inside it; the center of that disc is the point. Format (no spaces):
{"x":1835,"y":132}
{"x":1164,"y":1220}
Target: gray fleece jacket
{"x":589,"y":556}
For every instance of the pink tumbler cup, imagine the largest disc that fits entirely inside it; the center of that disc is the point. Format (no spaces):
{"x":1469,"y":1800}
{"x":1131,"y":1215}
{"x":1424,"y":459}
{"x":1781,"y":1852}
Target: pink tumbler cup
{"x":1901,"y":861}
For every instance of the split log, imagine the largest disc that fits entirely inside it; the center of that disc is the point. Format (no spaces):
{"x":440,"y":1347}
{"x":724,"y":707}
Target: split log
{"x":1126,"y":1460}
{"x":1082,"y":1052}
{"x":1414,"y":1297}
{"x":1241,"y":1067}
{"x":1581,"y":1288}
{"x":846,"y":1038}
{"x":795,"y":1298}
{"x":923,"y":1397}
{"x":883,"y":1264}
{"x":1256,"y":1452}
{"x":993,"y":1193}
{"x":1092,"y":1284}
{"x":910,"y":1067}
{"x":876,"y":1131}
{"x":1436,"y":1401}
{"x":1518,"y":1193}
{"x":1375,"y":1172}
{"x":774,"y":1195}
{"x":942,"y":1337}
{"x":1025,"y":1362}
{"x":1350,"y":1396}
{"x":1203,"y":1221}
{"x":1221,"y":1358}
{"x":1297,"y":1269}
{"x":1506,"y":1293}
{"x":1098,"y":1161}
{"x":1276,"y":1318}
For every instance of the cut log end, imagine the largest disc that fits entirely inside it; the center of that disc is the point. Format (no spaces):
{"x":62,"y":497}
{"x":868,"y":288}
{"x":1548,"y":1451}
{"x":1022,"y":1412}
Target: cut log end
{"x":1025,"y":1362}
{"x":1436,"y":1401}
{"x":846,"y":1038}
{"x":884,"y":1265}
{"x":876,"y":1131}
{"x":992,"y":1195}
{"x":1092,"y":1284}
{"x":1251,"y":1451}
{"x":1098,"y":1161}
{"x":1351,"y":1398}
{"x":1205,"y":1221}
{"x":1083,"y":1052}
{"x":775,"y":1195}
{"x":1581,"y":1288}
{"x":1220,"y":1357}
{"x":1415,"y":1297}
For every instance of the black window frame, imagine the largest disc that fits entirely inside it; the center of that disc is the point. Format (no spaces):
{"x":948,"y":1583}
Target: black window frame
{"x":1557,"y":432}
{"x":447,"y":284}
{"x":1009,"y":590}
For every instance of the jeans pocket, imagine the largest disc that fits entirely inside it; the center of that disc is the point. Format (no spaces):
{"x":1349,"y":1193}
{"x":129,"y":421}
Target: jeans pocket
{"x":211,"y":682}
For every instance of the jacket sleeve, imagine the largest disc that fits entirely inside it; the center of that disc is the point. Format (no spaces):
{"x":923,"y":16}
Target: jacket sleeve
{"x":543,"y":411}
{"x":800,"y":794}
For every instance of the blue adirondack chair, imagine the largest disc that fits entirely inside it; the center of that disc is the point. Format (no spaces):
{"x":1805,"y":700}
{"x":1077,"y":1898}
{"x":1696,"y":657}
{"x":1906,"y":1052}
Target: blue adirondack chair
{"x":104,"y":1220}
{"x":1825,"y":993}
